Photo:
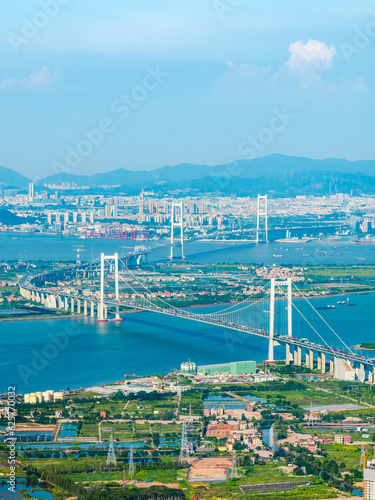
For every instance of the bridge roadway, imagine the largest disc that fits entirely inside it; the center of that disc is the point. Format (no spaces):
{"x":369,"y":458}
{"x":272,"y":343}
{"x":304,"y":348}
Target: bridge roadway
{"x":31,"y":286}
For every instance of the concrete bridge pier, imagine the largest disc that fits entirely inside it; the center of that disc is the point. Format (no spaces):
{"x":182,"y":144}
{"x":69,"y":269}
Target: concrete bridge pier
{"x":370,"y":376}
{"x":307,"y":363}
{"x":78,"y":306}
{"x":322,"y":357}
{"x":297,"y":355}
{"x":289,"y":354}
{"x":92,"y":310}
{"x":66,"y":304}
{"x":72,"y":306}
{"x":361,"y":372}
{"x":85,"y":307}
{"x":311,"y":358}
{"x":332,"y":365}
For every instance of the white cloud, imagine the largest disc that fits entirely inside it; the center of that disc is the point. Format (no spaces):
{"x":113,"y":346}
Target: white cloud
{"x":39,"y":79}
{"x":7,"y":83}
{"x":42,"y":78}
{"x":310,"y":57}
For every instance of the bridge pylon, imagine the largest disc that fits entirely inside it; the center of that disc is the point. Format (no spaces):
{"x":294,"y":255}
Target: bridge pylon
{"x":101,"y":307}
{"x":288,"y":284}
{"x":179,"y":224}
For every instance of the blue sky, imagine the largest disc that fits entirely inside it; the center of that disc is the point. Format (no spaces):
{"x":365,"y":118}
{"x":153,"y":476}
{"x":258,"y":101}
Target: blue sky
{"x":224,"y":69}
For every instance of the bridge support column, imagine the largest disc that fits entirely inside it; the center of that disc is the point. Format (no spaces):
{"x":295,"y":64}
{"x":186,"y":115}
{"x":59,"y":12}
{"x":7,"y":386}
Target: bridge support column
{"x":85,"y":307}
{"x":332,"y":365}
{"x":66,"y":304}
{"x":78,"y":306}
{"x":361,"y":372}
{"x":105,"y":312}
{"x":297,"y":355}
{"x":92,"y":312}
{"x":72,"y":306}
{"x":323,"y":362}
{"x":311,"y":357}
{"x":289,"y":354}
{"x":61,"y":303}
{"x":307,"y":364}
{"x":370,"y":376}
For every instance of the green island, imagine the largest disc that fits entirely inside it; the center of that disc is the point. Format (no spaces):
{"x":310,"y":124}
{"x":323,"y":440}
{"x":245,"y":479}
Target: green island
{"x":366,"y":345}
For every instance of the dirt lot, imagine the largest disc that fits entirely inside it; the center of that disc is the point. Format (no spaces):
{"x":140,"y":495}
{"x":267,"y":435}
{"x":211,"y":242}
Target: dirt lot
{"x":210,"y":467}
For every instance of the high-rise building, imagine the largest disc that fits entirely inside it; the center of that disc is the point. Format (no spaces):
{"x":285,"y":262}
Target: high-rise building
{"x":369,"y":480}
{"x":31,"y":191}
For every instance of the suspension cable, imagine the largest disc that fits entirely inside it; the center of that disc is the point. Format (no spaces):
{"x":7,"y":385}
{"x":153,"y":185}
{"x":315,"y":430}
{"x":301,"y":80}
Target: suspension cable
{"x":321,"y":317}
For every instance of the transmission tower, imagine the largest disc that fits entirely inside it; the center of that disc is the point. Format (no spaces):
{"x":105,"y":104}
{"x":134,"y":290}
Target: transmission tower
{"x":131,"y":463}
{"x":311,"y":419}
{"x":234,"y":471}
{"x":111,"y":457}
{"x":184,"y":453}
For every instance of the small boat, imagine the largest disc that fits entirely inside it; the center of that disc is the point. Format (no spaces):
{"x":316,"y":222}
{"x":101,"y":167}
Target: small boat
{"x":305,"y":255}
{"x":361,"y":258}
{"x":275,"y":255}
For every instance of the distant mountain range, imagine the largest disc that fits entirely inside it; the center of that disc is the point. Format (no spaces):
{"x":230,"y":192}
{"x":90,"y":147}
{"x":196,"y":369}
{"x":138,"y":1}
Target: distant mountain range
{"x":10,"y":178}
{"x":275,"y":174}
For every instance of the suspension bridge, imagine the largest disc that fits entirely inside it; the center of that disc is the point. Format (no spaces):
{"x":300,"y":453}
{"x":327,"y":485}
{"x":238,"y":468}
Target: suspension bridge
{"x":267,"y":314}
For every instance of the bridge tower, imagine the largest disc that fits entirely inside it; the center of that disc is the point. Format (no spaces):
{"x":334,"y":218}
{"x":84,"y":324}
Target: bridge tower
{"x":262,"y":211}
{"x":288,"y":284}
{"x":179,"y":224}
{"x":101,"y":308}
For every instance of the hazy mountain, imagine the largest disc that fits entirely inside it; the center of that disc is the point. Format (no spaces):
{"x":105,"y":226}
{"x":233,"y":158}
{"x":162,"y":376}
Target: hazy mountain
{"x":248,"y":169}
{"x":264,"y":174}
{"x":287,"y":184}
{"x":9,"y":177}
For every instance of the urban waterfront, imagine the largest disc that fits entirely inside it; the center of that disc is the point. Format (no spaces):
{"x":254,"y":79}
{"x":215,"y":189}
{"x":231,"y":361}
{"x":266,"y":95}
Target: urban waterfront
{"x":146,"y":343}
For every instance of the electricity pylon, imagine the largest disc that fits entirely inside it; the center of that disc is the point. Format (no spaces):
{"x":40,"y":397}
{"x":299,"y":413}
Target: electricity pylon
{"x":184,"y":452}
{"x":111,"y":457}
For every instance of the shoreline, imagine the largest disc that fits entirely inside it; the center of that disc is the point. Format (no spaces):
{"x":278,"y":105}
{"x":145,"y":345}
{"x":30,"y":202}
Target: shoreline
{"x":51,"y":316}
{"x":359,"y":348}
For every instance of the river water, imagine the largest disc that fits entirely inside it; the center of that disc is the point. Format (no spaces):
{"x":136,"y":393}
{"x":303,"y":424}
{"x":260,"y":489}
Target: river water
{"x":30,"y":247}
{"x":89,"y":353}
{"x":147,"y":343}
